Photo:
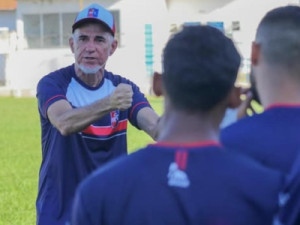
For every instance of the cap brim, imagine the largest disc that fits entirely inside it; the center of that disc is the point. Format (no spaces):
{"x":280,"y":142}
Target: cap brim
{"x":81,"y":22}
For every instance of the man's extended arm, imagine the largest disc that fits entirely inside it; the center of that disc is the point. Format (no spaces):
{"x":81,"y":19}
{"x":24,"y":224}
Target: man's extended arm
{"x":148,"y":121}
{"x":69,"y":120}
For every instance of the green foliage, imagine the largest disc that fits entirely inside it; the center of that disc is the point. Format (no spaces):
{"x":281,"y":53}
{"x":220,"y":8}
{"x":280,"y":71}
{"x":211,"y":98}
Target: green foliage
{"x":20,"y":157}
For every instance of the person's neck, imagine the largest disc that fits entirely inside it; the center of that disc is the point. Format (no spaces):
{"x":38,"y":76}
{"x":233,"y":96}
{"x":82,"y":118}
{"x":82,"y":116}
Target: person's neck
{"x":286,"y":91}
{"x":181,"y":127}
{"x":92,"y":80}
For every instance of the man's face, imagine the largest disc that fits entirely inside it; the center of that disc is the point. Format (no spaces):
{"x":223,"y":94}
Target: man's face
{"x":92,"y":45}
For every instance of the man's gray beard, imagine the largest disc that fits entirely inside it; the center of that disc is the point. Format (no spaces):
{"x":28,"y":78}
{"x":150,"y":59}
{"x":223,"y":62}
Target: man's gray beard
{"x":87,"y":70}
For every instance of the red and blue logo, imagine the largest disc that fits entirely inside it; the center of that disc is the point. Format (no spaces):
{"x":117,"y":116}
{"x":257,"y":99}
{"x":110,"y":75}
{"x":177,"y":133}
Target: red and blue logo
{"x":114,"y":118}
{"x":93,"y":12}
{"x":177,"y":175}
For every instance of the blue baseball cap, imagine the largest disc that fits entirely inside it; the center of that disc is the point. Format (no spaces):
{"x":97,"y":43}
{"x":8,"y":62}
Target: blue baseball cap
{"x":96,"y":13}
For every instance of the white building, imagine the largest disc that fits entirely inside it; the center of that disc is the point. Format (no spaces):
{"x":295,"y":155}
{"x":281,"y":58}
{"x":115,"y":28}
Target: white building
{"x":7,"y":25}
{"x":143,"y":27}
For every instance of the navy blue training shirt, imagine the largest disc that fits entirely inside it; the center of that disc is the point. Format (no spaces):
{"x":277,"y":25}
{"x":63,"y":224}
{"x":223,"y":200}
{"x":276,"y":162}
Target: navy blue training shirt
{"x":272,"y":137}
{"x":67,"y":160}
{"x":289,"y":213}
{"x":166,"y":183}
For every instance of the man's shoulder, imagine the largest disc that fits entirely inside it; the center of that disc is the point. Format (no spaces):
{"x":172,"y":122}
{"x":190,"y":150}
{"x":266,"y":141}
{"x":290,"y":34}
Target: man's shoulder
{"x":251,"y":172}
{"x":245,"y":125}
{"x":237,"y":159}
{"x":117,"y":79}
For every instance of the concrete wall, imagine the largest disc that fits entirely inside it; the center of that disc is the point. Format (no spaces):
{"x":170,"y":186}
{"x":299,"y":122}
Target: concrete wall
{"x":2,"y":69}
{"x":249,"y":14}
{"x":26,"y":67}
{"x":193,"y":10}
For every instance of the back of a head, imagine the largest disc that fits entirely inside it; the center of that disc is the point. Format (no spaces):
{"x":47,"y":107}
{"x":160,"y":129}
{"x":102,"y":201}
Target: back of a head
{"x":279,"y":36}
{"x":200,"y":68}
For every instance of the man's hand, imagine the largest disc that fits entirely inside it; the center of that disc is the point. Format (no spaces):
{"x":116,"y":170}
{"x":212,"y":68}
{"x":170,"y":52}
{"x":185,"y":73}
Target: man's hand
{"x":245,"y":107}
{"x":121,"y":98}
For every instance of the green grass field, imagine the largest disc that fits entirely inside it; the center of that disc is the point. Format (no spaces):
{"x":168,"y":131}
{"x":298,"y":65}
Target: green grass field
{"x":20,"y":157}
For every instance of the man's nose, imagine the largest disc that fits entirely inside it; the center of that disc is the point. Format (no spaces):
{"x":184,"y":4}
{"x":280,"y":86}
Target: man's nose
{"x":90,"y":46}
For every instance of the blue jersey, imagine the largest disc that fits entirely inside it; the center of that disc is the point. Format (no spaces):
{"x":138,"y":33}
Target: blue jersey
{"x":289,"y":213}
{"x":272,"y":137}
{"x":164,"y":183}
{"x":66,"y":160}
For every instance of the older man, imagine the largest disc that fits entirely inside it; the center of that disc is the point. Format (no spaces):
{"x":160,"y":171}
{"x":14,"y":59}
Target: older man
{"x":84,"y":111}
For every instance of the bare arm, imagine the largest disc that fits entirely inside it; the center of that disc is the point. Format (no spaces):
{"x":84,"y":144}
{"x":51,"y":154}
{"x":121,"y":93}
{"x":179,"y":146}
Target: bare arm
{"x":148,"y":121}
{"x":68,"y":120}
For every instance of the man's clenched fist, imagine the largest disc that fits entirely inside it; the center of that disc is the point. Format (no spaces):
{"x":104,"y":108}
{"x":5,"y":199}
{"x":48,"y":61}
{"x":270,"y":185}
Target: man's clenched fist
{"x":121,"y":98}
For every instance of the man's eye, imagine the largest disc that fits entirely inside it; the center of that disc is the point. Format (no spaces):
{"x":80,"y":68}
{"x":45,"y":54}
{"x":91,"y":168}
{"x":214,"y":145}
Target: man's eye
{"x":100,"y":40}
{"x":82,"y":38}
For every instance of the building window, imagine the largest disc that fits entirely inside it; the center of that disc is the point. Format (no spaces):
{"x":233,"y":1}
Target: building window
{"x":32,"y":30}
{"x":54,"y":29}
{"x":67,"y":22}
{"x":51,"y":31}
{"x":48,"y":30}
{"x":235,"y":25}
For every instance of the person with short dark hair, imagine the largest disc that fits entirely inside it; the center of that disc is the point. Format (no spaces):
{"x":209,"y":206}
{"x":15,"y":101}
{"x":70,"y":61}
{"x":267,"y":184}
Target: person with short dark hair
{"x":272,"y":137}
{"x":84,"y":111}
{"x":187,"y":177}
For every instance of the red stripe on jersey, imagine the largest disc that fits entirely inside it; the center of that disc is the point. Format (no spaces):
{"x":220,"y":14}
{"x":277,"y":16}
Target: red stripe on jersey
{"x":47,"y":102}
{"x":283,"y":105}
{"x":181,"y":159}
{"x":201,"y":144}
{"x":133,"y":108}
{"x":103,"y":131}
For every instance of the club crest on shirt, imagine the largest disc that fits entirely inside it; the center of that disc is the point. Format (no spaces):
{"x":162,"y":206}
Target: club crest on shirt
{"x":177,"y":177}
{"x":114,"y":118}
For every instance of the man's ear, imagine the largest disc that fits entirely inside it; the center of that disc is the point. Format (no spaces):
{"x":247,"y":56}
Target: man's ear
{"x":234,"y":97}
{"x":157,"y":84}
{"x":71,"y":44}
{"x":255,"y":51}
{"x":114,"y":46}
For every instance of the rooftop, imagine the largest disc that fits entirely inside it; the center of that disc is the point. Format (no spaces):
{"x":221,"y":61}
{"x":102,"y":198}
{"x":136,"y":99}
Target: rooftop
{"x":8,"y":5}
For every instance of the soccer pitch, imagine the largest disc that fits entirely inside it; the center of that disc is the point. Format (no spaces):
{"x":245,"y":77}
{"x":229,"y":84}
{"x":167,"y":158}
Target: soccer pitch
{"x":20,"y":157}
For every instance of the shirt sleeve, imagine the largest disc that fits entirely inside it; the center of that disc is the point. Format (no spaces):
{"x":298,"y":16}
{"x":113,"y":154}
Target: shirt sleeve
{"x":48,"y":92}
{"x":139,"y":102}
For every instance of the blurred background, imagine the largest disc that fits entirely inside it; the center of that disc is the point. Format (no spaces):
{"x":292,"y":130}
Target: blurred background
{"x":34,"y":41}
{"x":34,"y":35}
